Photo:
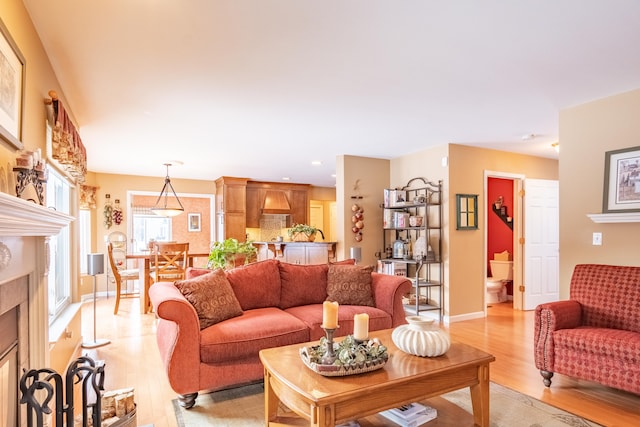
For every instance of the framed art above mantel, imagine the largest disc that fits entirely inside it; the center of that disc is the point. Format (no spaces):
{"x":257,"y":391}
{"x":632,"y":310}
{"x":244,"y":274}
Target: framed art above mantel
{"x":12,"y":71}
{"x":621,"y":181}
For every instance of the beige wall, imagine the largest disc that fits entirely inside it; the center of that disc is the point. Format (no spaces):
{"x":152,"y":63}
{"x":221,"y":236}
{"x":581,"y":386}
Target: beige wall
{"x":587,"y":132}
{"x":464,"y":250}
{"x":467,"y":268}
{"x":371,"y":176}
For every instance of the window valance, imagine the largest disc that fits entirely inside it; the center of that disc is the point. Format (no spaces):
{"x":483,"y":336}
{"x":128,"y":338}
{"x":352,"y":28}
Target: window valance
{"x":66,"y":147}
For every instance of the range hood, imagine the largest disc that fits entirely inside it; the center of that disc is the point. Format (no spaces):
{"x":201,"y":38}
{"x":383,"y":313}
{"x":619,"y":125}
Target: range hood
{"x":276,"y":203}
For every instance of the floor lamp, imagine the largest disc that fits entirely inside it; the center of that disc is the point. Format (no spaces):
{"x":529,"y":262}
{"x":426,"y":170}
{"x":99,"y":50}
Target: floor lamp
{"x":95,"y":266}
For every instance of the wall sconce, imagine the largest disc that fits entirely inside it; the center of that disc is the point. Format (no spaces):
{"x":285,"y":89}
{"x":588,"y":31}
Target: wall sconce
{"x":466,"y":211}
{"x":556,"y":146}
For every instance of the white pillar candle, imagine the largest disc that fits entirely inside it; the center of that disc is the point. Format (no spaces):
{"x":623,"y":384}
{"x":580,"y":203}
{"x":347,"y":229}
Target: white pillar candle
{"x":361,"y":326}
{"x":330,"y":315}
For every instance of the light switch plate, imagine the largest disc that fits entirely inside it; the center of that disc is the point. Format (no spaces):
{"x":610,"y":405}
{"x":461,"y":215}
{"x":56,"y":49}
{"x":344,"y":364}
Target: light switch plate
{"x":597,"y":239}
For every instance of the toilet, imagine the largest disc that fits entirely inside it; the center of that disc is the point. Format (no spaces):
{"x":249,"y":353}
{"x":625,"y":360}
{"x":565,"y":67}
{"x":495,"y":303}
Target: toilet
{"x":501,"y":272}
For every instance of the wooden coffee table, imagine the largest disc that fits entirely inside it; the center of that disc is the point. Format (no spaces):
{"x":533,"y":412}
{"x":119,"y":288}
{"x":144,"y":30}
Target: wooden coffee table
{"x":327,"y":401}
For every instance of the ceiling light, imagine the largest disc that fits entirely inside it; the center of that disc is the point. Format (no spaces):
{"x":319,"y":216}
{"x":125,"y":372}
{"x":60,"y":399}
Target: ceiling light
{"x":316,"y":163}
{"x":166,"y":205}
{"x":528,"y":136}
{"x":286,"y":178}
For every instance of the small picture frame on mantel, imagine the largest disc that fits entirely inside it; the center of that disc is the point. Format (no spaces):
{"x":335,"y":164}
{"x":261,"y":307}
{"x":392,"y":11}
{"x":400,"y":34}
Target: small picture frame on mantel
{"x":621,"y":181}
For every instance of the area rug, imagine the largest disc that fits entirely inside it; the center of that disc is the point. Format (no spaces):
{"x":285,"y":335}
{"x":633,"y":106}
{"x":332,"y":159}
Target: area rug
{"x":244,"y":406}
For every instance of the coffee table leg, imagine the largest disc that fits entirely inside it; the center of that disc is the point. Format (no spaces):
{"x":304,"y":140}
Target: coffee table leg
{"x":271,"y":400}
{"x":323,"y":416}
{"x":480,"y":397}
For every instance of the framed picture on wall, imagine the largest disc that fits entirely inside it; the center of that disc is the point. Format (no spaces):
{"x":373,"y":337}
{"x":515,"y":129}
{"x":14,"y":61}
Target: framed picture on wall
{"x":194,"y":222}
{"x":622,"y":181}
{"x":12,"y":70}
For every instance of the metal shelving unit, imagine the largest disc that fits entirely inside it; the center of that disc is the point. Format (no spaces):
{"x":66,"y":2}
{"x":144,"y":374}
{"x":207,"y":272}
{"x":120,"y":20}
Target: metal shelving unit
{"x":420,"y":257}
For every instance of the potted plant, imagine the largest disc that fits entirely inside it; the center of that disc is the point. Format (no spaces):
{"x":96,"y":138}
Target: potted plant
{"x":303,"y":233}
{"x":230,"y":253}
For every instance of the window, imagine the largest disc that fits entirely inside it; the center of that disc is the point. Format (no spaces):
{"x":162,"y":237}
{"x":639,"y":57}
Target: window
{"x":84,"y":221}
{"x":59,"y":285}
{"x":149,"y":227}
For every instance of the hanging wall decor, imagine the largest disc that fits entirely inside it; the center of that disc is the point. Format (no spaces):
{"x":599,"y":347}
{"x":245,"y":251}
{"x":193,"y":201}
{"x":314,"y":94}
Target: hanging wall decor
{"x":108,"y":212}
{"x":357,"y":218}
{"x":117,"y":212}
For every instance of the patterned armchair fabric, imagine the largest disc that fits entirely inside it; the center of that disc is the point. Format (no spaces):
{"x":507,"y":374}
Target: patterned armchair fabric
{"x":595,"y":335}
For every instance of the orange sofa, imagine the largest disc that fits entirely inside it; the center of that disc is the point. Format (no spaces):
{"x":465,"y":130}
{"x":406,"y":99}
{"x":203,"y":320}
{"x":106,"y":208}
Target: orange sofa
{"x":281,"y":305}
{"x":595,"y":335}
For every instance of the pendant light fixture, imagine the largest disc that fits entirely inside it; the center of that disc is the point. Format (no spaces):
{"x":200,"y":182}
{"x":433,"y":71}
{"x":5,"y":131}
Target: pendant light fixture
{"x":167,"y":204}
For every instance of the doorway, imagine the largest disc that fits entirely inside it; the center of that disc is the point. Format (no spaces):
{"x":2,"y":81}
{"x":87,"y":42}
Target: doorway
{"x":535,"y":237}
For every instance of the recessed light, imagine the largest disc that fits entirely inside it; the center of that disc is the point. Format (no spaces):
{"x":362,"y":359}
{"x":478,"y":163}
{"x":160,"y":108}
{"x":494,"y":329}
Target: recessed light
{"x":286,"y":178}
{"x":316,"y":163}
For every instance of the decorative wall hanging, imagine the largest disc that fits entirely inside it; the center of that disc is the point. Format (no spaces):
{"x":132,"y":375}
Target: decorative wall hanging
{"x":108,"y":212}
{"x":117,"y":212}
{"x":357,"y":218}
{"x":12,"y":70}
{"x":466,"y":211}
{"x":194,"y":222}
{"x":622,"y":181}
{"x":66,"y":146}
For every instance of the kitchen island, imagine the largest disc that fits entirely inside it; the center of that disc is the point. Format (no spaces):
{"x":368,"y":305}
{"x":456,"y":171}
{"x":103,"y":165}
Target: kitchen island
{"x":297,"y":252}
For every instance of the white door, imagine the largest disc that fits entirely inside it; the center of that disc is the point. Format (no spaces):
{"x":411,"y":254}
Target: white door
{"x":541,"y":236}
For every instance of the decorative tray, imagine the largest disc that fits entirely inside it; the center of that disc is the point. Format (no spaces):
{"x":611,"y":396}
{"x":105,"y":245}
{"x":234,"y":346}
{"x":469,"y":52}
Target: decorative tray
{"x":352,"y":357}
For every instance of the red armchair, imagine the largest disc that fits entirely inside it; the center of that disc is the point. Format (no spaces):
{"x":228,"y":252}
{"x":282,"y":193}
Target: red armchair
{"x":595,"y":335}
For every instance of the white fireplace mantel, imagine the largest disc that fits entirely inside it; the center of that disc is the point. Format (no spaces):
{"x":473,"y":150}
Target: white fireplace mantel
{"x":23,"y":218}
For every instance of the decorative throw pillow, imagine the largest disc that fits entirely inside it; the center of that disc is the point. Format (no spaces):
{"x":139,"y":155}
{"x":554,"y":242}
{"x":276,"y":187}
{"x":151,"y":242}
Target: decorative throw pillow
{"x":350,"y":285}
{"x":349,"y":261}
{"x":212,"y":297}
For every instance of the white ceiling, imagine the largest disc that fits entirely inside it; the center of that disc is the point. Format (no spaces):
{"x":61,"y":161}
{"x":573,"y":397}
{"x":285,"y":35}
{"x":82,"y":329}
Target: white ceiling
{"x":260,"y":88}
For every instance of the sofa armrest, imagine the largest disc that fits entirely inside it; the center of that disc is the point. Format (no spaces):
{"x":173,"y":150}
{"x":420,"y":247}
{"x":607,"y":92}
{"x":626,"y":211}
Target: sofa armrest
{"x":387,"y":294}
{"x":551,"y":317}
{"x":178,"y":337}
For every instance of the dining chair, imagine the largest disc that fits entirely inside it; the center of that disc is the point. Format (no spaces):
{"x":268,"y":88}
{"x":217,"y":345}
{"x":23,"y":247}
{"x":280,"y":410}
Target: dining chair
{"x":168,"y":261}
{"x":117,"y":262}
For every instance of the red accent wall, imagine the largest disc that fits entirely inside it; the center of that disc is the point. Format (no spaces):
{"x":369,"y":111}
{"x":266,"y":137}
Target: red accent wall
{"x":499,"y":235}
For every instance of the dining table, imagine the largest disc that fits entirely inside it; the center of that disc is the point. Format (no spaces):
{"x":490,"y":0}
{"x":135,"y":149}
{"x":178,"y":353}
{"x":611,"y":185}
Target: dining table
{"x":145,"y":274}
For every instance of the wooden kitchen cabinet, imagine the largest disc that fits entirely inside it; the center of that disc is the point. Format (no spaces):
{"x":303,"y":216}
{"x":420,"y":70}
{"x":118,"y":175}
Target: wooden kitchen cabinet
{"x":231,"y":199}
{"x":255,"y":199}
{"x":299,"y":206}
{"x":310,"y":253}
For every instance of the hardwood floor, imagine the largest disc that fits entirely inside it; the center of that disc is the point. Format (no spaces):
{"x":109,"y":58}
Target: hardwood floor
{"x":132,"y":360}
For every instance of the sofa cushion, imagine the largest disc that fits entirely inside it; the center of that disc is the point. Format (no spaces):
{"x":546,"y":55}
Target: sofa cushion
{"x":350,"y":284}
{"x":192,"y":272}
{"x":302,"y":284}
{"x":614,"y":344}
{"x":257,"y":285}
{"x":212,"y":297}
{"x":350,"y":261}
{"x":244,"y":336}
{"x":311,"y":315}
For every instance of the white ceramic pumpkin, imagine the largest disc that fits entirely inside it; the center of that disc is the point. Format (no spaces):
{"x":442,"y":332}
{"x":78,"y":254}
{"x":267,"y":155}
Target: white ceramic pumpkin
{"x":421,"y":337}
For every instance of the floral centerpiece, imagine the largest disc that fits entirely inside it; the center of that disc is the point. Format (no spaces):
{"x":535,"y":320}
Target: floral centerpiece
{"x":303,"y":233}
{"x":353,"y":356}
